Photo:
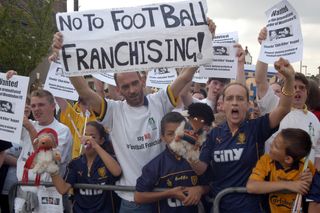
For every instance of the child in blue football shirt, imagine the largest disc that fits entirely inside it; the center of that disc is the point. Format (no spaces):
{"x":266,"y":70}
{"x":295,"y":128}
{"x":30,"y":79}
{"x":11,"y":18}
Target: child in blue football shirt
{"x":95,"y":166}
{"x":171,"y":171}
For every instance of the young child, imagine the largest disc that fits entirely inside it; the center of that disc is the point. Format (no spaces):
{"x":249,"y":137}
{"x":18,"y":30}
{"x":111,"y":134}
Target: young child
{"x":282,"y":169}
{"x":95,"y":166}
{"x":168,"y":170}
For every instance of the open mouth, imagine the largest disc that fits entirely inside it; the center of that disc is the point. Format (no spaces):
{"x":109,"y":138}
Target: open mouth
{"x":235,"y":113}
{"x":297,"y":96}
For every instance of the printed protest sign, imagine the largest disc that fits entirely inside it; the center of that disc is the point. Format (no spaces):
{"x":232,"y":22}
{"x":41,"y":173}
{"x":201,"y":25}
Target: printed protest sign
{"x":284,"y":37}
{"x":137,"y":38}
{"x":13,"y":93}
{"x":224,"y":63}
{"x":106,"y":78}
{"x":161,"y":78}
{"x":199,"y":79}
{"x":59,"y":85}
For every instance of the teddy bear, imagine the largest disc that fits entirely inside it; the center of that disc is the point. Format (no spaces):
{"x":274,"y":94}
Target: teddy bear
{"x":45,"y":157}
{"x":189,"y":136}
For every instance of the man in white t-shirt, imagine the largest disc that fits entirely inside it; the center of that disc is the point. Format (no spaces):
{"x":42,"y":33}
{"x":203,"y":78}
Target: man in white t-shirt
{"x":299,"y":117}
{"x":134,"y":122}
{"x":43,"y":109}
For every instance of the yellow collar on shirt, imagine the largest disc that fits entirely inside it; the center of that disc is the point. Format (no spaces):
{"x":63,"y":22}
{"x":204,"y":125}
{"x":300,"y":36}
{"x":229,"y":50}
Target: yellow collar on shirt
{"x":304,"y":109}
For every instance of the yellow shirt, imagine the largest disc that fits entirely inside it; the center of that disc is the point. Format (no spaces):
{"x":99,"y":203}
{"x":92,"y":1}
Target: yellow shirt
{"x":74,"y":113}
{"x":270,"y":170}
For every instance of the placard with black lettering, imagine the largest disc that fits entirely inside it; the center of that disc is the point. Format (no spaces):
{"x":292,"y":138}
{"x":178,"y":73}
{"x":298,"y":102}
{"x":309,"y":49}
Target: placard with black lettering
{"x":225,"y":62}
{"x":135,"y":38}
{"x":59,"y":85}
{"x":13,"y":93}
{"x":284,"y":36}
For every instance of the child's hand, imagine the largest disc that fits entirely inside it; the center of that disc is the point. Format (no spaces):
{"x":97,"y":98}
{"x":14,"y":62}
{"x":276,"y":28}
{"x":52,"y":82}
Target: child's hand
{"x":57,"y":156}
{"x":178,"y":193}
{"x":299,"y":186}
{"x":306,"y":176}
{"x":193,"y":195}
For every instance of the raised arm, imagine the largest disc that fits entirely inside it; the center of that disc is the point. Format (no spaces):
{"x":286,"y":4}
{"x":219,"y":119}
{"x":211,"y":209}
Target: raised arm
{"x":261,"y":70}
{"x":111,"y":164}
{"x":187,"y":73}
{"x":80,"y":84}
{"x":240,"y":78}
{"x":285,"y":102}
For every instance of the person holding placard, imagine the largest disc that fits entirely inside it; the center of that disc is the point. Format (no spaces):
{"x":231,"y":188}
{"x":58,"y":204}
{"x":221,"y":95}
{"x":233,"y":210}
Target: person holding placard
{"x":299,"y":116}
{"x":216,"y":85}
{"x":134,"y":123}
{"x":43,"y":110}
{"x":233,"y":148}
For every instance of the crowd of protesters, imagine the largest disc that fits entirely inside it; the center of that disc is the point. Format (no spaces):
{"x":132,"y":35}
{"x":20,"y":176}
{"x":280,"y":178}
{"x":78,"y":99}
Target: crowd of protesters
{"x":126,"y":139}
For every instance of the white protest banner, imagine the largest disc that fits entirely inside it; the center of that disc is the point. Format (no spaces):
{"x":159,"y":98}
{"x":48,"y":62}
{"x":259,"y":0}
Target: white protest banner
{"x":161,"y":78}
{"x":59,"y":85}
{"x":106,"y":78}
{"x":13,"y":95}
{"x":198,"y":79}
{"x":135,"y":38}
{"x":284,"y":37}
{"x":224,"y":64}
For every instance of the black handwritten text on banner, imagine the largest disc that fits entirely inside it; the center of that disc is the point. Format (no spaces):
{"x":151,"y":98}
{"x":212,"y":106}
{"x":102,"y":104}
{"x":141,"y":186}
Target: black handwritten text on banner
{"x":138,"y":38}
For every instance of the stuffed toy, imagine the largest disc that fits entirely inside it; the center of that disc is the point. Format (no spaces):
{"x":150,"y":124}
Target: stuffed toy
{"x":187,"y":143}
{"x":190,"y":136}
{"x":44,"y":158}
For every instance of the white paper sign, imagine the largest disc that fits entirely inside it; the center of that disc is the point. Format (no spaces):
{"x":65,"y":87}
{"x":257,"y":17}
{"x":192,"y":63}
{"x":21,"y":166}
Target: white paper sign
{"x":199,"y":79}
{"x":49,"y":200}
{"x":106,"y":78}
{"x":13,"y":93}
{"x":135,"y":38}
{"x":224,"y":64}
{"x":161,"y":78}
{"x":59,"y":85}
{"x":284,"y":37}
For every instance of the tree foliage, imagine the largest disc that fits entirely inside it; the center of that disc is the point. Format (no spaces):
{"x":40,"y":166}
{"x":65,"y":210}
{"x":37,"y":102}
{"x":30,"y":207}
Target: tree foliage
{"x":26,"y":29}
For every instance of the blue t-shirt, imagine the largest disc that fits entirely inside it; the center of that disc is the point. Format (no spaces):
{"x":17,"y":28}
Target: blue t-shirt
{"x":167,"y":171}
{"x":314,"y":193}
{"x":233,"y":157}
{"x":90,"y":200}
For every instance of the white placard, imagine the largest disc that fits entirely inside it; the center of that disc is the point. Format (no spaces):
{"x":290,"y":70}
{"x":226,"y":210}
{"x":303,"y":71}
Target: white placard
{"x":13,"y":93}
{"x":199,"y":79}
{"x":49,"y":200}
{"x":224,"y":64}
{"x":174,"y":34}
{"x":284,"y":37}
{"x":59,"y":85}
{"x":161,"y":78}
{"x":106,"y":78}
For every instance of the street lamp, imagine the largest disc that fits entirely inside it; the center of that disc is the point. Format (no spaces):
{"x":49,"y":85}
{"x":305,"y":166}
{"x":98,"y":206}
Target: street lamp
{"x":247,"y":56}
{"x":305,"y":69}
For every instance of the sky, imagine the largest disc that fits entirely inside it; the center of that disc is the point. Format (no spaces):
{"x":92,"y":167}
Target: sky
{"x":246,"y":17}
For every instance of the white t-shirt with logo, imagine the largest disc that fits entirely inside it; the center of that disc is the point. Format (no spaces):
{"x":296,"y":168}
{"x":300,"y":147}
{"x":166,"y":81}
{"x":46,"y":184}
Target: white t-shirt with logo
{"x":135,"y":134}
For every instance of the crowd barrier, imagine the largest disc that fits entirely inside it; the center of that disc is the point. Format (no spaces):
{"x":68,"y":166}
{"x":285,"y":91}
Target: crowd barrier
{"x":216,"y":202}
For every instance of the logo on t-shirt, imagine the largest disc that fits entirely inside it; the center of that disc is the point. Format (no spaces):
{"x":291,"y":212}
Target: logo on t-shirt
{"x":241,"y":138}
{"x":227,"y":155}
{"x":152,"y":123}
